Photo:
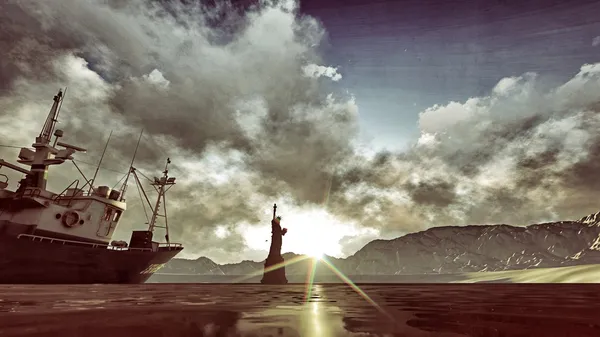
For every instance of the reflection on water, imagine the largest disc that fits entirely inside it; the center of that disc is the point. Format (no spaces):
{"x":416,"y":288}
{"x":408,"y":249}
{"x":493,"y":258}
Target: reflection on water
{"x":325,"y":310}
{"x":319,"y":316}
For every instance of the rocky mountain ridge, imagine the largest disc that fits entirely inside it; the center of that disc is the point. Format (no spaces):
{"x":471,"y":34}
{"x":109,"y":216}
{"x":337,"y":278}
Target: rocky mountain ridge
{"x":444,"y":250}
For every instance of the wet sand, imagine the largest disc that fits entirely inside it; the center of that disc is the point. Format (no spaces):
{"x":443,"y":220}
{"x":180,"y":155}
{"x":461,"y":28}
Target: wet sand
{"x":488,"y":310}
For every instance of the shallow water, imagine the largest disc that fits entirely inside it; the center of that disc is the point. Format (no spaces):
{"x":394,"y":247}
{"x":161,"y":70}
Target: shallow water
{"x":329,"y":310}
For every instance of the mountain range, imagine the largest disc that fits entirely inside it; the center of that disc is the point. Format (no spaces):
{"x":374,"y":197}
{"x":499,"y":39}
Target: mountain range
{"x":442,"y":250}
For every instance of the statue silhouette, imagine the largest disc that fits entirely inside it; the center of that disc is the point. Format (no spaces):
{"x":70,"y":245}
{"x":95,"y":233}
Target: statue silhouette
{"x":274,"y":269}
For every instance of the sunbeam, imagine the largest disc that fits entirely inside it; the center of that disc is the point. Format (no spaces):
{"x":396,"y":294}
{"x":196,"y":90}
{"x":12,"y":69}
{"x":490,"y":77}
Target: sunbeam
{"x":356,"y":288}
{"x":310,"y":278}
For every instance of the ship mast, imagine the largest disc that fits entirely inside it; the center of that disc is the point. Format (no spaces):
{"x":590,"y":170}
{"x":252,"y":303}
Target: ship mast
{"x":161,"y":185}
{"x":131,"y":169}
{"x":39,"y":164}
{"x":48,"y":128}
{"x":39,"y":160}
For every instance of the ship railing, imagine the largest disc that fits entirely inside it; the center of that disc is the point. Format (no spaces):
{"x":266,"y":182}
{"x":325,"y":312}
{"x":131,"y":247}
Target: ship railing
{"x":170,"y":246}
{"x":63,"y":193}
{"x":129,"y":248}
{"x":37,"y":192}
{"x":62,"y":241}
{"x":78,"y":192}
{"x":30,"y":192}
{"x":174,"y":245}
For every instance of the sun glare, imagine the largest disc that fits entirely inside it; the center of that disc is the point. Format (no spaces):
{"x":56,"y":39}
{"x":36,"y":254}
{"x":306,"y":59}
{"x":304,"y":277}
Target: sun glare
{"x":312,"y":232}
{"x":315,"y":253}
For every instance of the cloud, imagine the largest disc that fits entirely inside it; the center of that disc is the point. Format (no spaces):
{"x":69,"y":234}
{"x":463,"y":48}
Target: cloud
{"x":519,"y":155}
{"x":233,"y":97}
{"x":596,"y":41}
{"x":202,"y":82}
{"x":316,"y":71}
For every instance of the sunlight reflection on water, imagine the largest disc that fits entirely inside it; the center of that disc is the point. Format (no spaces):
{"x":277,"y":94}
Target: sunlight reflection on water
{"x":313,"y":318}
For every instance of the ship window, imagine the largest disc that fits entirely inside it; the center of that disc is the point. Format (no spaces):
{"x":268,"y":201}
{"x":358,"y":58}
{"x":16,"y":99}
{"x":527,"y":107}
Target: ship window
{"x":117,"y":216}
{"x":107,"y":214}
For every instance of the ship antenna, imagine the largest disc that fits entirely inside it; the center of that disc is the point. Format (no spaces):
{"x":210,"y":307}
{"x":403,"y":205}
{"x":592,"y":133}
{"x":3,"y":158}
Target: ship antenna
{"x":99,"y":163}
{"x":52,"y":118}
{"x":124,"y":186}
{"x":59,"y":107}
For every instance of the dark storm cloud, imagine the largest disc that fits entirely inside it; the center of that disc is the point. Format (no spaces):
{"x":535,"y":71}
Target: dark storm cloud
{"x":582,"y":174}
{"x":434,"y":192}
{"x":26,"y":51}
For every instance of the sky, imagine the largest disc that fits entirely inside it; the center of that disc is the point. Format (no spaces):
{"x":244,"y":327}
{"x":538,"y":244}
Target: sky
{"x":360,"y":119}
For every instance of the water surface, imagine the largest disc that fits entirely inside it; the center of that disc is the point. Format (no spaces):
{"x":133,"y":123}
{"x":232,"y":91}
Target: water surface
{"x":328,"y":310}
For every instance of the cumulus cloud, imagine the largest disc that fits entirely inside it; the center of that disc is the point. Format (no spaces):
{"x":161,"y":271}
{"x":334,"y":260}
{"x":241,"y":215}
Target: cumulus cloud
{"x":596,"y":41}
{"x":519,"y":155}
{"x":316,"y":71}
{"x":233,"y":97}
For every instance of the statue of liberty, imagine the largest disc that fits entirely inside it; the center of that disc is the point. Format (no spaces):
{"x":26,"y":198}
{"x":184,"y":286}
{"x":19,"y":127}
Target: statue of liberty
{"x":274,"y":268}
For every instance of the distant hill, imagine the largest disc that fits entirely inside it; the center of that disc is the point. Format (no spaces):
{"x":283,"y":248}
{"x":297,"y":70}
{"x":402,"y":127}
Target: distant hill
{"x":445,"y":250}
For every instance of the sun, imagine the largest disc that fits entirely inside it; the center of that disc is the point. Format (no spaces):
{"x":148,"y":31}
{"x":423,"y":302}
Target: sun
{"x":315,"y":253}
{"x":312,"y":232}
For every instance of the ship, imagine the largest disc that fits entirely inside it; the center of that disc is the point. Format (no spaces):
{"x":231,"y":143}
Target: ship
{"x":66,"y":237}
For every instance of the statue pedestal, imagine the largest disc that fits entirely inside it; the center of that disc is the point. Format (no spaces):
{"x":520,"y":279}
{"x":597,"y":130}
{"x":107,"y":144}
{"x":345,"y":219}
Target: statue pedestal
{"x":275,"y":276}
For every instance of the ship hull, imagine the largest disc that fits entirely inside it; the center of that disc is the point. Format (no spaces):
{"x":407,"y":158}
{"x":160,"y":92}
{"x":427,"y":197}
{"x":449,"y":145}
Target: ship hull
{"x":25,"y":261}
